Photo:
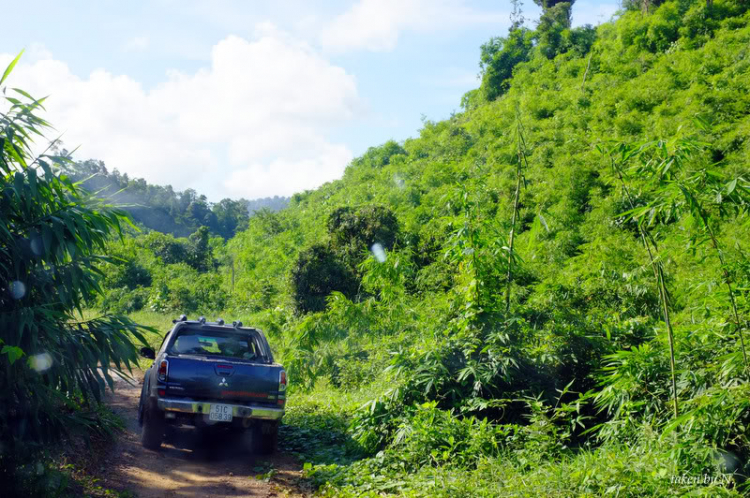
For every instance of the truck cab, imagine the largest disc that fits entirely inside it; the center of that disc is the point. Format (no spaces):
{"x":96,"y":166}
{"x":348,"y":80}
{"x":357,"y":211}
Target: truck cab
{"x":213,"y":375}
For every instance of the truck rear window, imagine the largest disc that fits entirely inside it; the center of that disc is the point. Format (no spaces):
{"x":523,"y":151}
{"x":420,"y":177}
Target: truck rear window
{"x":215,"y":343}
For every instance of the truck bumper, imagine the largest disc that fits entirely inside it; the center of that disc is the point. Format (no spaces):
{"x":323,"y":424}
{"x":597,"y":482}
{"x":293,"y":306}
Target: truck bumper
{"x":239,"y":411}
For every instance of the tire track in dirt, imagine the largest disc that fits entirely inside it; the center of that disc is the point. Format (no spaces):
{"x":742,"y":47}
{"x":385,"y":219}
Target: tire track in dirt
{"x":190,"y":464}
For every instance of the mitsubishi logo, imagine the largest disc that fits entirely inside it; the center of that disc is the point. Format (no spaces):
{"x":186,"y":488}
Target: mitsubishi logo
{"x":223,"y":382}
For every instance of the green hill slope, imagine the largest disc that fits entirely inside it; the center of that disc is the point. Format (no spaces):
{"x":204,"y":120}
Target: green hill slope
{"x":583,"y":343}
{"x":428,"y":347}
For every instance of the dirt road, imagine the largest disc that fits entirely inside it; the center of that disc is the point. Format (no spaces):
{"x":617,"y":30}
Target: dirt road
{"x":191,"y":466}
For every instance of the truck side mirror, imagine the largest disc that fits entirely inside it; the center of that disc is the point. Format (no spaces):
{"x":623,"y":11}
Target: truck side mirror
{"x":148,"y":353}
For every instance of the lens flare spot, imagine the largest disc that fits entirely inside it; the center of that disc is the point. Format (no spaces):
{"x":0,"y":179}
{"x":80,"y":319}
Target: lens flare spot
{"x":378,"y":252}
{"x":36,"y":246}
{"x":17,"y":289}
{"x":41,"y":362}
{"x":398,"y":181}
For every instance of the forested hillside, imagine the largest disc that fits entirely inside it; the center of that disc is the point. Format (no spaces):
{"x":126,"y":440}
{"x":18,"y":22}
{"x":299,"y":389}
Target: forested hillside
{"x":550,"y":286}
{"x":161,"y":208}
{"x":545,"y":295}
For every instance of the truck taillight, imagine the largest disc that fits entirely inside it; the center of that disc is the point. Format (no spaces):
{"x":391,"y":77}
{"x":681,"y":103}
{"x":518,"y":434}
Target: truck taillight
{"x":282,"y":381}
{"x":163,"y":370}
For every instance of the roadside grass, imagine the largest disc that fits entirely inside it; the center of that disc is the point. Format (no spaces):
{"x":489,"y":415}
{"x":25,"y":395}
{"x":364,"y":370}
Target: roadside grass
{"x":315,"y":428}
{"x":608,"y":471}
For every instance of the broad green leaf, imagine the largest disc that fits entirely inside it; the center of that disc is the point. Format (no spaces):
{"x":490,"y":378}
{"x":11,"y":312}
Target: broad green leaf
{"x":13,"y":353}
{"x":731,"y":186}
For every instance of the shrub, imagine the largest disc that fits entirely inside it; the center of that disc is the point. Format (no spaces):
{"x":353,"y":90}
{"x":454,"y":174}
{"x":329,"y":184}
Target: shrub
{"x":356,"y":230}
{"x":316,"y":274}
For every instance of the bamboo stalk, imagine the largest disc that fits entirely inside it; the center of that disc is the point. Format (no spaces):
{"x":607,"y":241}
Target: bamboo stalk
{"x":521,"y":160}
{"x":661,"y":285}
{"x":586,"y":72}
{"x":728,"y":282}
{"x":512,"y":237}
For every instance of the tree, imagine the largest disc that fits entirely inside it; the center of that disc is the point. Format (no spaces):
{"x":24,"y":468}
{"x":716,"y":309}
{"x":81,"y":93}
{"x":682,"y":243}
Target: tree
{"x":550,"y":4}
{"x":231,"y":216}
{"x":699,"y":193}
{"x":316,"y":274}
{"x":166,"y":247}
{"x":199,"y":251}
{"x":161,"y":208}
{"x":499,"y":57}
{"x":354,"y":231}
{"x":555,"y":19}
{"x":199,"y":213}
{"x":516,"y":15}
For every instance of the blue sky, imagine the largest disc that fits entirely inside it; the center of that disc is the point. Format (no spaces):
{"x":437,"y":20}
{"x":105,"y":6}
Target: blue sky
{"x":251,"y":98}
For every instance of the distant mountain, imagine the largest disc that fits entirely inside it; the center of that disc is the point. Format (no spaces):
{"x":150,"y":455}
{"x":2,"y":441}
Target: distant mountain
{"x":165,"y":210}
{"x":273,"y":204}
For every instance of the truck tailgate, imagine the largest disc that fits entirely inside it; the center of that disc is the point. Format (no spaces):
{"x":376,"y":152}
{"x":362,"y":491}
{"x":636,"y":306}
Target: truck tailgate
{"x":202,"y":378}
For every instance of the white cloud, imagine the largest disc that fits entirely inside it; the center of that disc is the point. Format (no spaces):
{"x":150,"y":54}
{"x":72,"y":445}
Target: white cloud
{"x":375,"y":25}
{"x":315,"y":170}
{"x":136,"y":44}
{"x":251,"y":124}
{"x":36,"y":52}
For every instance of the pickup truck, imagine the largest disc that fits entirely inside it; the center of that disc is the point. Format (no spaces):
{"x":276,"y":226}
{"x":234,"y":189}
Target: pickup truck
{"x":212,"y":375}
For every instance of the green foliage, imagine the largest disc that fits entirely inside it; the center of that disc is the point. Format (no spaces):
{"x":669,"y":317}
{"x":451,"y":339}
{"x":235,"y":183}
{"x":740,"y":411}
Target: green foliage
{"x":354,"y":231}
{"x":316,"y":274}
{"x":377,"y":157}
{"x":498,"y":58}
{"x":549,"y":4}
{"x":578,"y":40}
{"x":575,"y":379}
{"x":54,"y":365}
{"x":164,"y":273}
{"x":554,"y":21}
{"x":198,"y":250}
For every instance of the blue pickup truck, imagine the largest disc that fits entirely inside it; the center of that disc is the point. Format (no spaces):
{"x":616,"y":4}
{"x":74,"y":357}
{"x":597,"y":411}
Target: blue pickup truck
{"x":213,"y":375}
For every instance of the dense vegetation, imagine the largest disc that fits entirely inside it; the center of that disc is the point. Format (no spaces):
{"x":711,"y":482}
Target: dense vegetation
{"x":584,"y":215}
{"x":544,"y":295}
{"x":54,"y":363}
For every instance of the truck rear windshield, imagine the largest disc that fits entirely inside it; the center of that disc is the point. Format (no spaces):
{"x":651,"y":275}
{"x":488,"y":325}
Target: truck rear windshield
{"x":207,"y":342}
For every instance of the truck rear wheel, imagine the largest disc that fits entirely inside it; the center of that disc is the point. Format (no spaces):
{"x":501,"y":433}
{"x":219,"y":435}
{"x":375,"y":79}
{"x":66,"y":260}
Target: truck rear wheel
{"x":152,"y":433}
{"x":265,"y":437}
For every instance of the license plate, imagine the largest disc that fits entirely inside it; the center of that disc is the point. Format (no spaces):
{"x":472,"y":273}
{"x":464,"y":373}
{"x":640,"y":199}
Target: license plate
{"x":220,"y":413}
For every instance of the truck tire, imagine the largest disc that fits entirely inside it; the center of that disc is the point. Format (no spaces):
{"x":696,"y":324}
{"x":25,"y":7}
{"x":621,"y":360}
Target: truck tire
{"x":142,"y":404}
{"x":265,"y":437}
{"x":152,"y":433}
